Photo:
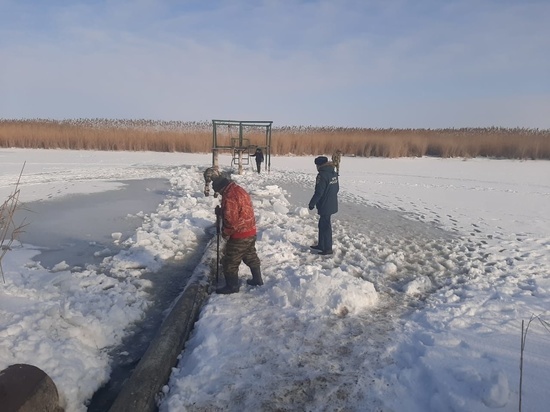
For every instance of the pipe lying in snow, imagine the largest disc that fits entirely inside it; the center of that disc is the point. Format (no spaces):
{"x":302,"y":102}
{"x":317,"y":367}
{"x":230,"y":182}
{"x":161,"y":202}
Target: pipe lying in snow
{"x":140,"y":392}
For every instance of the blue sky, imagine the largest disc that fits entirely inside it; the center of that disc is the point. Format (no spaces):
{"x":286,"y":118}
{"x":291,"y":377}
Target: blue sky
{"x":355,"y":63}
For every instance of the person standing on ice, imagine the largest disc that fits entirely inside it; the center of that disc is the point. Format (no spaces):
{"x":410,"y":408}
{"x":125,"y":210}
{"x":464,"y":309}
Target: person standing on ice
{"x":209,"y":175}
{"x":336,"y":159}
{"x":325,"y":199}
{"x":259,"y":155}
{"x":239,"y":229}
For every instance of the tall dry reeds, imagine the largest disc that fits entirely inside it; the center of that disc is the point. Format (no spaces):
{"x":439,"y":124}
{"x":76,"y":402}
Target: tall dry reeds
{"x":196,"y":137}
{"x":473,"y":142}
{"x":103,"y":134}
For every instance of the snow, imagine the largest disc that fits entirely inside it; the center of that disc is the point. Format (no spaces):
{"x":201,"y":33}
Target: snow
{"x":437,"y":263}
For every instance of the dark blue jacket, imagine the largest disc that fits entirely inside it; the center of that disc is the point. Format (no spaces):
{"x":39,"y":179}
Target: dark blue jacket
{"x":259,"y":155}
{"x":325,"y":197}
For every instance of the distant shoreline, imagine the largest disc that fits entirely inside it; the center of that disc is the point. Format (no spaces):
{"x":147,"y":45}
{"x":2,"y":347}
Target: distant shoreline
{"x":196,"y":137}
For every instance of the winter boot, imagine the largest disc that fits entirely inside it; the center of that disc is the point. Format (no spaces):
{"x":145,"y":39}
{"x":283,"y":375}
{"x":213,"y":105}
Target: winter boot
{"x":231,"y":285}
{"x":256,"y":277}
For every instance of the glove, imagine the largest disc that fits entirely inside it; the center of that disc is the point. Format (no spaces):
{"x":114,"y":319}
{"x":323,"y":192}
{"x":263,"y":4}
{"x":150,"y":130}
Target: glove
{"x":311,"y":207}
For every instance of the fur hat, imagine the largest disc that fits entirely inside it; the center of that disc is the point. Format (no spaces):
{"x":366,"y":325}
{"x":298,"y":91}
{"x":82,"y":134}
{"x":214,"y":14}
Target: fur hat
{"x":321,"y":160}
{"x":219,"y":183}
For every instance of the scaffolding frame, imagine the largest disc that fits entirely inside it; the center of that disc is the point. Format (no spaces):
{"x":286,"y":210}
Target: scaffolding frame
{"x":240,"y":145}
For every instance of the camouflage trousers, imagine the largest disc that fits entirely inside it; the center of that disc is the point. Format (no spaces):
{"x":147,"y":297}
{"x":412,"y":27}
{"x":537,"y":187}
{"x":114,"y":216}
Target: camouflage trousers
{"x":210,"y":174}
{"x":237,"y":251}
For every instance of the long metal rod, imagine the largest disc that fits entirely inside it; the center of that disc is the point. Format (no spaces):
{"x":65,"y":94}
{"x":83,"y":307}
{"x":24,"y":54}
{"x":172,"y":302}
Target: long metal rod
{"x":218,"y":212}
{"x":259,"y":123}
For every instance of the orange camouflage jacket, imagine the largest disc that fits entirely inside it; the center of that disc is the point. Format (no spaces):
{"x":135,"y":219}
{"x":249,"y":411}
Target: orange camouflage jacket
{"x":239,"y":221}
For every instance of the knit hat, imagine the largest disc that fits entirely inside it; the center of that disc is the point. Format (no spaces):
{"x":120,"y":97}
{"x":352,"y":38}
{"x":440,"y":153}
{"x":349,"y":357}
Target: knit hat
{"x":321,"y":160}
{"x":219,"y":183}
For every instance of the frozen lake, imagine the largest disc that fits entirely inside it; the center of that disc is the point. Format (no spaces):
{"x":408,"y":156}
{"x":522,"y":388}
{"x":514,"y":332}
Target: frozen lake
{"x":78,"y":228}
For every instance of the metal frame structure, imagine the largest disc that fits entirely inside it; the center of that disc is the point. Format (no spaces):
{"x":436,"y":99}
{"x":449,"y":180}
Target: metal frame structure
{"x":241,"y":145}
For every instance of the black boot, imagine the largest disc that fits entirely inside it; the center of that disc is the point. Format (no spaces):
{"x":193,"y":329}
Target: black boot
{"x":231,"y":285}
{"x":256,"y":277}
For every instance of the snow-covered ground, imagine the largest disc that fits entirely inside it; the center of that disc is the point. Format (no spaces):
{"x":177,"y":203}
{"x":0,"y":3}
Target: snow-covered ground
{"x":437,"y":263}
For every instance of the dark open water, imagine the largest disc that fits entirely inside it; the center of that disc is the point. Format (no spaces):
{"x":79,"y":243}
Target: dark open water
{"x":73,"y":228}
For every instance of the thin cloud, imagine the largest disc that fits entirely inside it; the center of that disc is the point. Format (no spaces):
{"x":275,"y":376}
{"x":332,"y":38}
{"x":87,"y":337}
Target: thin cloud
{"x":326,"y":61}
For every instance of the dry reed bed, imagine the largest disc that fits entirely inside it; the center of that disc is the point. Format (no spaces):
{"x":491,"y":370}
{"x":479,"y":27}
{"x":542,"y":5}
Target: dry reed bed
{"x":196,"y":137}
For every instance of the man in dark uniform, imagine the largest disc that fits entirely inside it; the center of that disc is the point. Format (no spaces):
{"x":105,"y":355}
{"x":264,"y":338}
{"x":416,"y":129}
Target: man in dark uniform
{"x":259,"y":155}
{"x":325,"y":199}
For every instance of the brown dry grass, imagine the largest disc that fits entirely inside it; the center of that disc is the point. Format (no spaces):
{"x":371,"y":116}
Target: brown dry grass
{"x":196,"y":137}
{"x":9,"y":230}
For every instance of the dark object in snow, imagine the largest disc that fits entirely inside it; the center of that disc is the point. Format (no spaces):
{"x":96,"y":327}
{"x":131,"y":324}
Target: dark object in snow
{"x":26,"y":388}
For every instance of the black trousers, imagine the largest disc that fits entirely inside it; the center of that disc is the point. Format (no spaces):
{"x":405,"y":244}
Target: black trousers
{"x":325,"y":232}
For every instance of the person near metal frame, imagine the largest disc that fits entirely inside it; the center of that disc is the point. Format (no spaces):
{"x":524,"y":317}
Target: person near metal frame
{"x":259,"y":155}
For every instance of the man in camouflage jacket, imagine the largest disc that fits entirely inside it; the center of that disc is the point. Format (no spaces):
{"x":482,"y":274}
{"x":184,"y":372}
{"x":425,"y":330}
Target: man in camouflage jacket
{"x":209,"y":175}
{"x":239,"y":229}
{"x":336,"y":159}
